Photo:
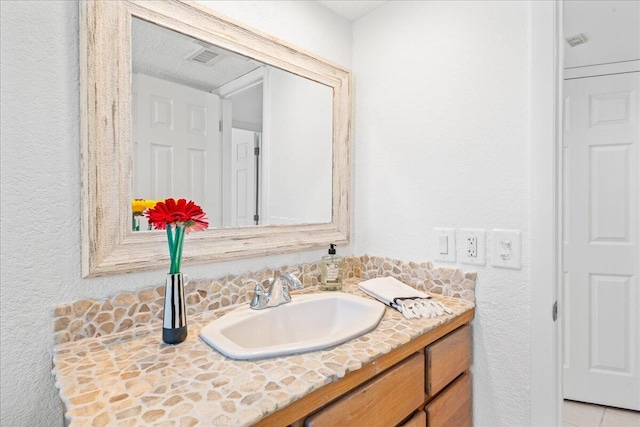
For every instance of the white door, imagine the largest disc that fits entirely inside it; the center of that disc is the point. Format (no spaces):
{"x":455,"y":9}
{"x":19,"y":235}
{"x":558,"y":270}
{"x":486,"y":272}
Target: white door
{"x":602,"y":226}
{"x":176,"y":144}
{"x":243,"y":177}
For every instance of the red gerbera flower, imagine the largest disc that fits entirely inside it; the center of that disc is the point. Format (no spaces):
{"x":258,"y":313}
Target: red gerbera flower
{"x":182,"y":216}
{"x":180,"y":213}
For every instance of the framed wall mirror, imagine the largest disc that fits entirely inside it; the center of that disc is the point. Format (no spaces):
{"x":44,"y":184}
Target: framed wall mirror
{"x":179,"y":101}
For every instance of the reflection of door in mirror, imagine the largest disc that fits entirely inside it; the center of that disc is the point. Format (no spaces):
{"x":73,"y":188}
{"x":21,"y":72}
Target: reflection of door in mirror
{"x":242,"y":125}
{"x":245,"y":148}
{"x":176,"y":144}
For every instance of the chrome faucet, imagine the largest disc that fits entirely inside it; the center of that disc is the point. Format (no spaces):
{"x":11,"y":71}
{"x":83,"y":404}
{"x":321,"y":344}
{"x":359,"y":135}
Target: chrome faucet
{"x":277,"y":292}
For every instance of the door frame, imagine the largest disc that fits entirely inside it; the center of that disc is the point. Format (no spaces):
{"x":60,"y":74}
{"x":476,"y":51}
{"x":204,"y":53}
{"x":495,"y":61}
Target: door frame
{"x":546,"y":212}
{"x":247,"y":81}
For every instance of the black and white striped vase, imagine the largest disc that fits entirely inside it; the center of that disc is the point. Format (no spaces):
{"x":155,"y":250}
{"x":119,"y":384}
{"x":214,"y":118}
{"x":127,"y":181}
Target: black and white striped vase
{"x":174,"y":321}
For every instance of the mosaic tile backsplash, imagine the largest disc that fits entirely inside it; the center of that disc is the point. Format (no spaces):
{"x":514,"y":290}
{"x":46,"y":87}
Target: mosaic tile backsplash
{"x":94,"y":318}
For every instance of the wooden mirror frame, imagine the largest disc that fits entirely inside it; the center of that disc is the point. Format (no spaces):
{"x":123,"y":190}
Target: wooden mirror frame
{"x":109,"y":245}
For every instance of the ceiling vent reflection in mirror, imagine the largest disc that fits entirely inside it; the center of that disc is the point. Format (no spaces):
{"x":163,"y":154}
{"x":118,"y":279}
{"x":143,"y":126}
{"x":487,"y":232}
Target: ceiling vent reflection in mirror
{"x":203,"y":56}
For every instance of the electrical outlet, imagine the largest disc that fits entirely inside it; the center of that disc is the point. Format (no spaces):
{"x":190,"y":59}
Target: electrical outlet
{"x":473,"y":246}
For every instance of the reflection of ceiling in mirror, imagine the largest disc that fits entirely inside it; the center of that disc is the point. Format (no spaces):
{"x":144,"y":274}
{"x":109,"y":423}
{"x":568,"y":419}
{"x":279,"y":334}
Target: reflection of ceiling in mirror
{"x":162,"y":53}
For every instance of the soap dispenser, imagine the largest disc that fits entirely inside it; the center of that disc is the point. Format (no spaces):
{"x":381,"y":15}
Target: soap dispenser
{"x":331,"y":279}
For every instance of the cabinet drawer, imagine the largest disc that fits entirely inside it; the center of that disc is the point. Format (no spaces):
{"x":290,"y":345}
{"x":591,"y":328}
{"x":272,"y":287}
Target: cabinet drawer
{"x":384,"y":401}
{"x":418,"y":420}
{"x":447,"y":358}
{"x":453,"y":406}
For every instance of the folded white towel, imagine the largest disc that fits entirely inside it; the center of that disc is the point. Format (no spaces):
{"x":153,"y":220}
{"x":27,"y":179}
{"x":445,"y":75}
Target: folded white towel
{"x":407,"y":300}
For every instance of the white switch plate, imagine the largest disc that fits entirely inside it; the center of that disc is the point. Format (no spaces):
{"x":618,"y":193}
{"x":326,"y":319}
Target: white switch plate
{"x":506,"y":249}
{"x":449,"y":246}
{"x":473,"y":246}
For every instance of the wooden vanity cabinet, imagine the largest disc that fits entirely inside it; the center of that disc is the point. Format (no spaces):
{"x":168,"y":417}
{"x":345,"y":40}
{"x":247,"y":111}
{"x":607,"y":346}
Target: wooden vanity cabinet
{"x":385,"y":400}
{"x":424,"y":383}
{"x":452,"y":407}
{"x":419,"y":419}
{"x":447,"y":358}
{"x":448,"y":382}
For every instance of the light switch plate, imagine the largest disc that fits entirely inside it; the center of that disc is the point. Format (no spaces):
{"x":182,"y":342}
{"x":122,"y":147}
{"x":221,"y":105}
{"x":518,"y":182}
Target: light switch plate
{"x":506,"y":249}
{"x":473,"y":246}
{"x":448,"y":245}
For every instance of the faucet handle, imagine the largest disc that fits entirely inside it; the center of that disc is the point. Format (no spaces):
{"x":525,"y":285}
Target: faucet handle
{"x":259,"y":298}
{"x":258,"y":289}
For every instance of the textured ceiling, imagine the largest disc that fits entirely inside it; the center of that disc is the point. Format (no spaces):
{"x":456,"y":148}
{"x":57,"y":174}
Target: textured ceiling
{"x":161,"y":53}
{"x":351,"y":10}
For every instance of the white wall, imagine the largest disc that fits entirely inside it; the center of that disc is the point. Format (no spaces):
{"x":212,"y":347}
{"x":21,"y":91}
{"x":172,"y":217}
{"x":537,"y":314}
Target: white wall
{"x":247,"y":109}
{"x":442,"y":139}
{"x":297,"y":125}
{"x":40,"y":184}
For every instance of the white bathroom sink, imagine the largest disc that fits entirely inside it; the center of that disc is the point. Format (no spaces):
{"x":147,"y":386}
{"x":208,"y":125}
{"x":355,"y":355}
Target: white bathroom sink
{"x":307,"y":323}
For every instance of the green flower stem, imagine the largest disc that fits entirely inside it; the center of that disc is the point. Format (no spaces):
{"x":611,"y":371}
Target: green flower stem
{"x":176,"y":259}
{"x":170,"y":241}
{"x":179,"y":254}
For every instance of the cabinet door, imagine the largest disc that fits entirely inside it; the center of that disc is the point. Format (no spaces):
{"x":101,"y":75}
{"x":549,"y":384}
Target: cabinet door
{"x":418,"y":420}
{"x":452,"y":407}
{"x":384,"y":401}
{"x":447,"y":358}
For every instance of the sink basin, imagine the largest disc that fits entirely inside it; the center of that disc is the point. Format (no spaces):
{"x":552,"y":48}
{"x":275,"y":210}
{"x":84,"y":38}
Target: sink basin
{"x":307,"y":323}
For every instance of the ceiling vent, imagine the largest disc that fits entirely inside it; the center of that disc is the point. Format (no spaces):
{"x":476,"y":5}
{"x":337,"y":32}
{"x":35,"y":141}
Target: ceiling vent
{"x":203,"y":56}
{"x":576,"y":40}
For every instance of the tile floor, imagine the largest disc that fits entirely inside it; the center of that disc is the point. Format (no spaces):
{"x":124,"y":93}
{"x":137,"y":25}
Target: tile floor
{"x":578,"y":414}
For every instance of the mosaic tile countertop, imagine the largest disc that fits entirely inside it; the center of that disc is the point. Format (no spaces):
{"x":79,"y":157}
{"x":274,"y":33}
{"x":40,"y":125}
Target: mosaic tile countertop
{"x":132,"y":378}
